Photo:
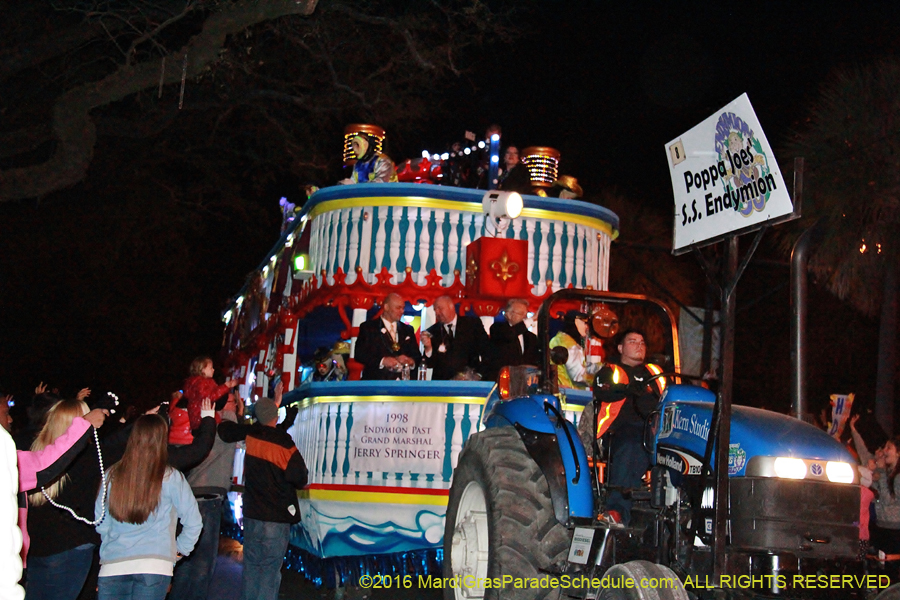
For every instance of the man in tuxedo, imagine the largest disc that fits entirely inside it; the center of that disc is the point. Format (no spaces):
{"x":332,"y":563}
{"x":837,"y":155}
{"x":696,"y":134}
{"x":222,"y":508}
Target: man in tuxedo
{"x":511,"y":342}
{"x":385,"y":345}
{"x":454,"y":342}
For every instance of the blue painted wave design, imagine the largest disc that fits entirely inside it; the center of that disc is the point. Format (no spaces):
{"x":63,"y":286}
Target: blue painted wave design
{"x":364,"y":534}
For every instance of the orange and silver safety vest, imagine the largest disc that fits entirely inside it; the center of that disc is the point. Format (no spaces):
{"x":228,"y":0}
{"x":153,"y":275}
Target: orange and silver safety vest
{"x":608,"y":411}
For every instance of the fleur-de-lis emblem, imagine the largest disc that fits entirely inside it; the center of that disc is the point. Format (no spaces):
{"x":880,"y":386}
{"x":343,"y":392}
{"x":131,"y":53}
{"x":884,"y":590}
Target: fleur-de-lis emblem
{"x":503,"y":268}
{"x":471,"y":268}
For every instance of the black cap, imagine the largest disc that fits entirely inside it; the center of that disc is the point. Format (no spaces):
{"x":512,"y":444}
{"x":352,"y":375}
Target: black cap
{"x":576,"y":314}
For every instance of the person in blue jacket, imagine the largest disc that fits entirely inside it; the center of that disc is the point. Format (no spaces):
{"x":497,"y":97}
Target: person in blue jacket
{"x":142,"y":498}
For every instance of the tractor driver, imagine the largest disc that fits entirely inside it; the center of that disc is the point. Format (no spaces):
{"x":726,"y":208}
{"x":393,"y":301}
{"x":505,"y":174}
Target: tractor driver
{"x":624,"y":394}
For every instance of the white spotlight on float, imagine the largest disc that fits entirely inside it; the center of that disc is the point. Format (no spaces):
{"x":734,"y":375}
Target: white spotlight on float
{"x":500,"y":208}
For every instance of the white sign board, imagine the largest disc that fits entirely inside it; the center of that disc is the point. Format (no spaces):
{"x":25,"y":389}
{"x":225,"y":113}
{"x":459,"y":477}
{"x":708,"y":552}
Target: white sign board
{"x":398,"y":437}
{"x":724,"y":177}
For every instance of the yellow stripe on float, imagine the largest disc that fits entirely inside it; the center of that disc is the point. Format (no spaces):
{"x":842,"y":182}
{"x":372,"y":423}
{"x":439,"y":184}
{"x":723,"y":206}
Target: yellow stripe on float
{"x":442,"y":399}
{"x":373,"y":497}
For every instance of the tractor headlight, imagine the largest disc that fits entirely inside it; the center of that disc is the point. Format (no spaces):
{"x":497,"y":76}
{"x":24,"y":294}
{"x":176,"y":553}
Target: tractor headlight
{"x":790,"y":468}
{"x":839,"y":472}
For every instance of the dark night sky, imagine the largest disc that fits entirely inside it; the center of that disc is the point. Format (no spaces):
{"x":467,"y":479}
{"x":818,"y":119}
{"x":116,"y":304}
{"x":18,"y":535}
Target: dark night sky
{"x":608,"y":84}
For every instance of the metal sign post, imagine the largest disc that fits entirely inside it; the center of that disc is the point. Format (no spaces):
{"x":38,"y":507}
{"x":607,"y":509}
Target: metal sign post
{"x":726,"y":183}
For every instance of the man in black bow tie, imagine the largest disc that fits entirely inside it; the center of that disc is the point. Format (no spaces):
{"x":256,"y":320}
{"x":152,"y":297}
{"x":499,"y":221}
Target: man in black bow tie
{"x":386,"y":345}
{"x":511,"y":342}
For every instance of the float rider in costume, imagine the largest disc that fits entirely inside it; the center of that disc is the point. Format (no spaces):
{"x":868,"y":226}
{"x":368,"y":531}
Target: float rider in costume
{"x":370,"y":167}
{"x":573,"y":373}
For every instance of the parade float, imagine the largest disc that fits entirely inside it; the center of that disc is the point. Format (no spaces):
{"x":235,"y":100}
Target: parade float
{"x":381,"y":454}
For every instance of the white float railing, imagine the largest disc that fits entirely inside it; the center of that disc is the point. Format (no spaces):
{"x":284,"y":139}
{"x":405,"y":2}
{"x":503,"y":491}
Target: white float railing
{"x":421,"y":227}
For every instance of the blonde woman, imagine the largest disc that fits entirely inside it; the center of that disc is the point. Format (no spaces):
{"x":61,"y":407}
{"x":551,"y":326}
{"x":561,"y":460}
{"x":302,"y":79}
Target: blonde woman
{"x":61,"y":513}
{"x":138,"y":544}
{"x":42,"y":467}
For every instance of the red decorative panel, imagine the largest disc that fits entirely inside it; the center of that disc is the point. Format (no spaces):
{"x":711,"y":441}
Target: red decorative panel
{"x":497,"y":267}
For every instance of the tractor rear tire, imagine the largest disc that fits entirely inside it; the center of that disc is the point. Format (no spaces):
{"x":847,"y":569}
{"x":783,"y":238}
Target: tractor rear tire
{"x":500,"y":522}
{"x":642,"y":580}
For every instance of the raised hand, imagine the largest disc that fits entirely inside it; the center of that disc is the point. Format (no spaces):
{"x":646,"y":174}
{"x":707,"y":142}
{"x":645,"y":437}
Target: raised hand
{"x":279,"y":390}
{"x":96,"y":417}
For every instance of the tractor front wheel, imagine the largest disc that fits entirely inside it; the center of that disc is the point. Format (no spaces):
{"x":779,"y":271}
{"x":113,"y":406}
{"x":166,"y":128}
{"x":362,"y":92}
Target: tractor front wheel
{"x":501,"y":537}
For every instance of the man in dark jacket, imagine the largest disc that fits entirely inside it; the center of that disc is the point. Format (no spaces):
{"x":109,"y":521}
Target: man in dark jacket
{"x":386,"y":345}
{"x":454,"y":342}
{"x":273,"y":470}
{"x":511,"y":342}
{"x":625,"y":391}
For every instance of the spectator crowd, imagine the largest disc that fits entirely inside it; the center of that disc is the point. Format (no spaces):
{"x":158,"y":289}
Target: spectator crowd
{"x":100,"y":506}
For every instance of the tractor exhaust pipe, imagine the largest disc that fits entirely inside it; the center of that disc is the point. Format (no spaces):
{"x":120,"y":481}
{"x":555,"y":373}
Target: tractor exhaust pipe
{"x":799,"y":290}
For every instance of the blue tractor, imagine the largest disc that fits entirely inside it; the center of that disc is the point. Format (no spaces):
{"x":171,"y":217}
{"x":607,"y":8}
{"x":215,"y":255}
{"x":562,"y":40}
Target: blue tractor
{"x":524,"y":518}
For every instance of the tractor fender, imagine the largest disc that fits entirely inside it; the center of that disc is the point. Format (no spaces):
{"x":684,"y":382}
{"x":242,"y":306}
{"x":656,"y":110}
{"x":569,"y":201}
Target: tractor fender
{"x":554,"y":445}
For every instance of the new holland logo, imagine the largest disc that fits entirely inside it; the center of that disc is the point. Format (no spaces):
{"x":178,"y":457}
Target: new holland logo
{"x":683,"y":463}
{"x":816,"y":469}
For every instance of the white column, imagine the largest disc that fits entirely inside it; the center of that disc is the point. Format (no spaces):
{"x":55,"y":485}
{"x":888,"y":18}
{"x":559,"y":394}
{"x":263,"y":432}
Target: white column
{"x":314,"y":236}
{"x":591,"y":258}
{"x":604,"y":264}
{"x":343,"y":238}
{"x":468,"y":220}
{"x":579,"y":256}
{"x":380,"y":241}
{"x":466,"y":239}
{"x":397,"y":214}
{"x":334,"y":218}
{"x":424,"y":245}
{"x":556,"y":227}
{"x":330,"y":442}
{"x":322,"y":245}
{"x":409,"y":242}
{"x":343,"y":411}
{"x":457,"y":438}
{"x":453,"y":247}
{"x":477,"y":226}
{"x":532,"y":248}
{"x":352,"y":474}
{"x":438,"y":246}
{"x":353,"y":225}
{"x":474,"y":414}
{"x":322,"y":420}
{"x":544,"y":257}
{"x":570,"y":254}
{"x":365,"y":242}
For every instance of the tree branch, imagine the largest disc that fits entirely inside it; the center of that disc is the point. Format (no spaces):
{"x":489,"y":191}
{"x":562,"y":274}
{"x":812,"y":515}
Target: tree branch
{"x":72,"y":125}
{"x":404,"y":31}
